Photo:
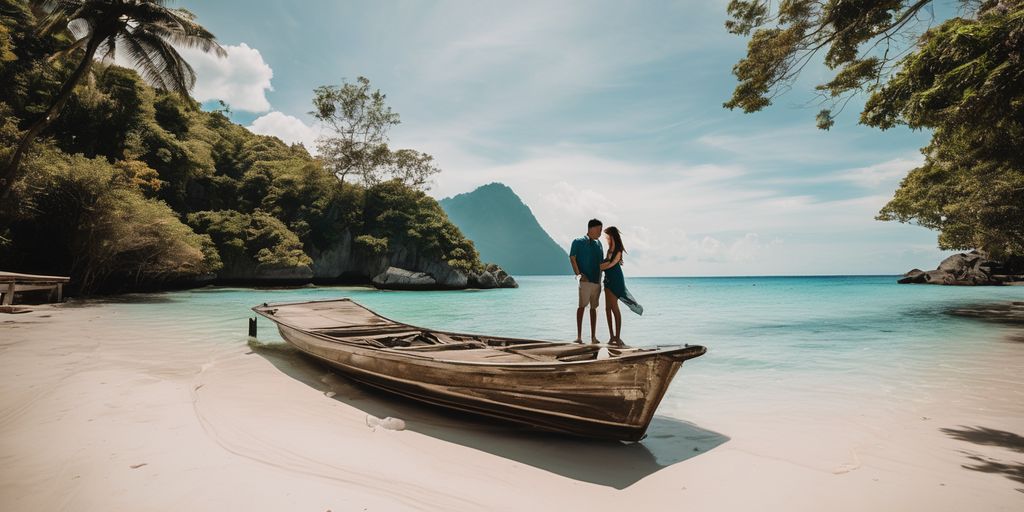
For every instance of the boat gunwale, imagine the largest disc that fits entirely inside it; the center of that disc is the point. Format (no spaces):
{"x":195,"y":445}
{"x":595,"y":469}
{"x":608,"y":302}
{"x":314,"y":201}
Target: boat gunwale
{"x":671,"y":351}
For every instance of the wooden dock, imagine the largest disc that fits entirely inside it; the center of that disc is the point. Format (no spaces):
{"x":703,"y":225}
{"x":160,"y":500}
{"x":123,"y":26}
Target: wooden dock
{"x":12,"y":282}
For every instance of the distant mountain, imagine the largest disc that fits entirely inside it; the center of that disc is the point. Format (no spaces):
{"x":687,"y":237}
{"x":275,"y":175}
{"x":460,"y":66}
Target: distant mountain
{"x":505,"y":231}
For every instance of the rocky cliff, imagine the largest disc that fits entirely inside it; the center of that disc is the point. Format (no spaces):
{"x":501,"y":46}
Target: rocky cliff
{"x":402,"y":267}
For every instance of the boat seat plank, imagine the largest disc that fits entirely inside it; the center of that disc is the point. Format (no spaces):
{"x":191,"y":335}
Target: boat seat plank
{"x":486,"y":355}
{"x":341,"y":332}
{"x":444,"y":346}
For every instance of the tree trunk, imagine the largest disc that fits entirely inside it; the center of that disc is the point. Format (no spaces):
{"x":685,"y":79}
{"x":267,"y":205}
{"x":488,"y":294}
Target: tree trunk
{"x":9,"y":174}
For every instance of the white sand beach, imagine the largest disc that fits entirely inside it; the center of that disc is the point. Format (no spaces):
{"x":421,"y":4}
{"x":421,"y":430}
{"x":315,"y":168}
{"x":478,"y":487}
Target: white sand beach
{"x":100,"y":412}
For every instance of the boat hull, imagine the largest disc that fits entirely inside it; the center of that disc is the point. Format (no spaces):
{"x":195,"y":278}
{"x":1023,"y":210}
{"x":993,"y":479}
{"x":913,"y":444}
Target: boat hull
{"x":607,"y":399}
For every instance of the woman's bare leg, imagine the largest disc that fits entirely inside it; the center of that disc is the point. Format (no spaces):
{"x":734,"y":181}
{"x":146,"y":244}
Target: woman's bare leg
{"x":614,"y":317}
{"x":618,"y":322}
{"x":609,"y":301}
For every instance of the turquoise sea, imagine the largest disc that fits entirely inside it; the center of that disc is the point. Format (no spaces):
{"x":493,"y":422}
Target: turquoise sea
{"x":773,"y":342}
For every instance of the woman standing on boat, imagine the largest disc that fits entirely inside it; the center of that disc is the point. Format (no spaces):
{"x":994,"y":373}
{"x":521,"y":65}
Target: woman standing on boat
{"x":615,"y":286}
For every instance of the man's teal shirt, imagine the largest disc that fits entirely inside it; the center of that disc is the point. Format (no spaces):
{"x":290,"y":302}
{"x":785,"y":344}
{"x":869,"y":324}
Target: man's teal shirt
{"x":589,"y":254}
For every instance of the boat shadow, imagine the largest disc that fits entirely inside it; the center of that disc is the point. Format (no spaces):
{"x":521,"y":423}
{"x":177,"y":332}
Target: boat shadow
{"x":609,"y":463}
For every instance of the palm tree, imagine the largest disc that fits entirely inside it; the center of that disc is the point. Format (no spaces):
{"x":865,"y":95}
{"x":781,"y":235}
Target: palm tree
{"x":145,"y":31}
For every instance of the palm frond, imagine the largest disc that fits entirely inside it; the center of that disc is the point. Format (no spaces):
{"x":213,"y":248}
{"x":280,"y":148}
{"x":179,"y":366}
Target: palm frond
{"x":59,"y":14}
{"x":160,"y":63}
{"x":147,"y":32}
{"x":177,"y":26}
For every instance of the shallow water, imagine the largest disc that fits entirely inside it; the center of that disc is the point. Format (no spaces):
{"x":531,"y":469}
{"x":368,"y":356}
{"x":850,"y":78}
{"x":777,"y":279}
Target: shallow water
{"x":775,"y":343}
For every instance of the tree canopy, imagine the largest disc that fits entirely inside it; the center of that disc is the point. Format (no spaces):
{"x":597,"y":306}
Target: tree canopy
{"x":962,"y":79}
{"x":360,"y":119}
{"x":146,"y":32}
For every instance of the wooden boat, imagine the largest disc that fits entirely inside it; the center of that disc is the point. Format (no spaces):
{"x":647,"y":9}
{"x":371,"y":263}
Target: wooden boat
{"x":562,"y":387}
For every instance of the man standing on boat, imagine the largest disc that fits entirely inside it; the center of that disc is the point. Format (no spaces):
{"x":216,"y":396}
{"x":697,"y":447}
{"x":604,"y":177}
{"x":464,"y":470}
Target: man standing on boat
{"x":586,"y":254}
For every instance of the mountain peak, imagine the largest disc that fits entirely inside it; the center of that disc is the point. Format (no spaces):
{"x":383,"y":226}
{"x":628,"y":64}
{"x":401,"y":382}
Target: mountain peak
{"x":505,"y":231}
{"x":495,"y":188}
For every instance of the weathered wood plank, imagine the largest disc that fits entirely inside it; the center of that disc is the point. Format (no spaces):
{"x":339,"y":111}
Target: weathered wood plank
{"x":13,"y":282}
{"x":6,"y":277}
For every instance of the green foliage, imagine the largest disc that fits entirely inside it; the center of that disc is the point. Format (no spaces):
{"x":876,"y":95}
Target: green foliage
{"x":29,"y":81}
{"x":6,"y":43}
{"x":257,"y":236}
{"x":147,"y":32}
{"x":360,"y":120}
{"x":372,"y":244}
{"x":783,"y":43}
{"x":88,"y":218}
{"x":399,"y":214}
{"x":964,"y":81}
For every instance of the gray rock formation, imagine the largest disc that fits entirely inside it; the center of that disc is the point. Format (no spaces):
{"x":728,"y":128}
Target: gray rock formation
{"x":492,"y":276}
{"x":402,"y":268}
{"x":964,"y":269}
{"x":334,"y":260}
{"x":483,"y":280}
{"x":394,"y":278}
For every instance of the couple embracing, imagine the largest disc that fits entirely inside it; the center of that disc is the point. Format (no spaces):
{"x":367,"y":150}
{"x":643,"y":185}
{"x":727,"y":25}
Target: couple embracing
{"x":589,"y":260}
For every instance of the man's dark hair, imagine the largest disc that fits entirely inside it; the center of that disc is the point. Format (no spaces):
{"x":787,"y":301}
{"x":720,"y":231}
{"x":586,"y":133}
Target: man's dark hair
{"x":593,"y":222}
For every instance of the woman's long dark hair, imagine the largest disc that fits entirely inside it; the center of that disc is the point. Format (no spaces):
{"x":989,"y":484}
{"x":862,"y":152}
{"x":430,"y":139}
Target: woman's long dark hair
{"x":613,"y":232}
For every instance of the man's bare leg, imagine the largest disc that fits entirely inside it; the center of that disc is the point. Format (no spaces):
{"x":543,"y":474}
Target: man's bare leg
{"x":579,"y":325}
{"x":593,"y":325}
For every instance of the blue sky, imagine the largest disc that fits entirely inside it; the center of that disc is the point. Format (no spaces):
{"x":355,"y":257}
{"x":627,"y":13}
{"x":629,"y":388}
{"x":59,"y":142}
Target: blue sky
{"x":606,"y":109}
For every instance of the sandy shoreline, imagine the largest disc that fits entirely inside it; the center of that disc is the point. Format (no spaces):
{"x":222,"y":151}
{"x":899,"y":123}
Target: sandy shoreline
{"x":100,"y":412}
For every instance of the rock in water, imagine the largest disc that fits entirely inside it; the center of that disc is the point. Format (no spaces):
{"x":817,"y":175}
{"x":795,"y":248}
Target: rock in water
{"x":914,"y":276}
{"x":485,"y":280}
{"x":492,"y":276}
{"x":395,"y":278}
{"x":967,"y":269}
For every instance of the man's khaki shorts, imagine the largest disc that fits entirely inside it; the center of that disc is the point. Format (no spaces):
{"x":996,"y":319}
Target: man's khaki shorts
{"x":589,"y":292}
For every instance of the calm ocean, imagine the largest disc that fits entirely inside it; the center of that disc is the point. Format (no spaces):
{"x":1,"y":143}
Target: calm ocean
{"x":775,"y":344}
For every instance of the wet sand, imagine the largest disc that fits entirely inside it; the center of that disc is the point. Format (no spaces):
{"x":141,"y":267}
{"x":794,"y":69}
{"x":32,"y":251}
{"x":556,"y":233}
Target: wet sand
{"x":101,"y":412}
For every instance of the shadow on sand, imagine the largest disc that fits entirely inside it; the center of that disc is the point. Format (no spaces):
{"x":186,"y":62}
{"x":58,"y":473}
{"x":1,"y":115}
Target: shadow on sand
{"x":607,"y":463}
{"x":991,"y":437}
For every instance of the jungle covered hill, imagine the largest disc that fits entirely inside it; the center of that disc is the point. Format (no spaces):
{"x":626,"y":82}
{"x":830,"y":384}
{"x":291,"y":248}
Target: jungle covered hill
{"x":132,"y":187}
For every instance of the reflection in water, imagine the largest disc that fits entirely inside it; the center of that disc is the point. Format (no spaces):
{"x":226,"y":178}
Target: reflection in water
{"x":609,"y":463}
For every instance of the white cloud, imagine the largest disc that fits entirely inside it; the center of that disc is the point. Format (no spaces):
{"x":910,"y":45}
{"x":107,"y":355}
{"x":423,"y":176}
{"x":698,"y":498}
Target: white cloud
{"x":287,"y":128}
{"x":241,"y":79}
{"x":796,"y":143}
{"x":885,"y":173}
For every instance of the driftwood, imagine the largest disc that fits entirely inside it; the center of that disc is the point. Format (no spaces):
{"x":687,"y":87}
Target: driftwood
{"x":563,"y":387}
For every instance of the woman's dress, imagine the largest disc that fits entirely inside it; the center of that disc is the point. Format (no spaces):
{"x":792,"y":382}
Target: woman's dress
{"x":616,"y":282}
